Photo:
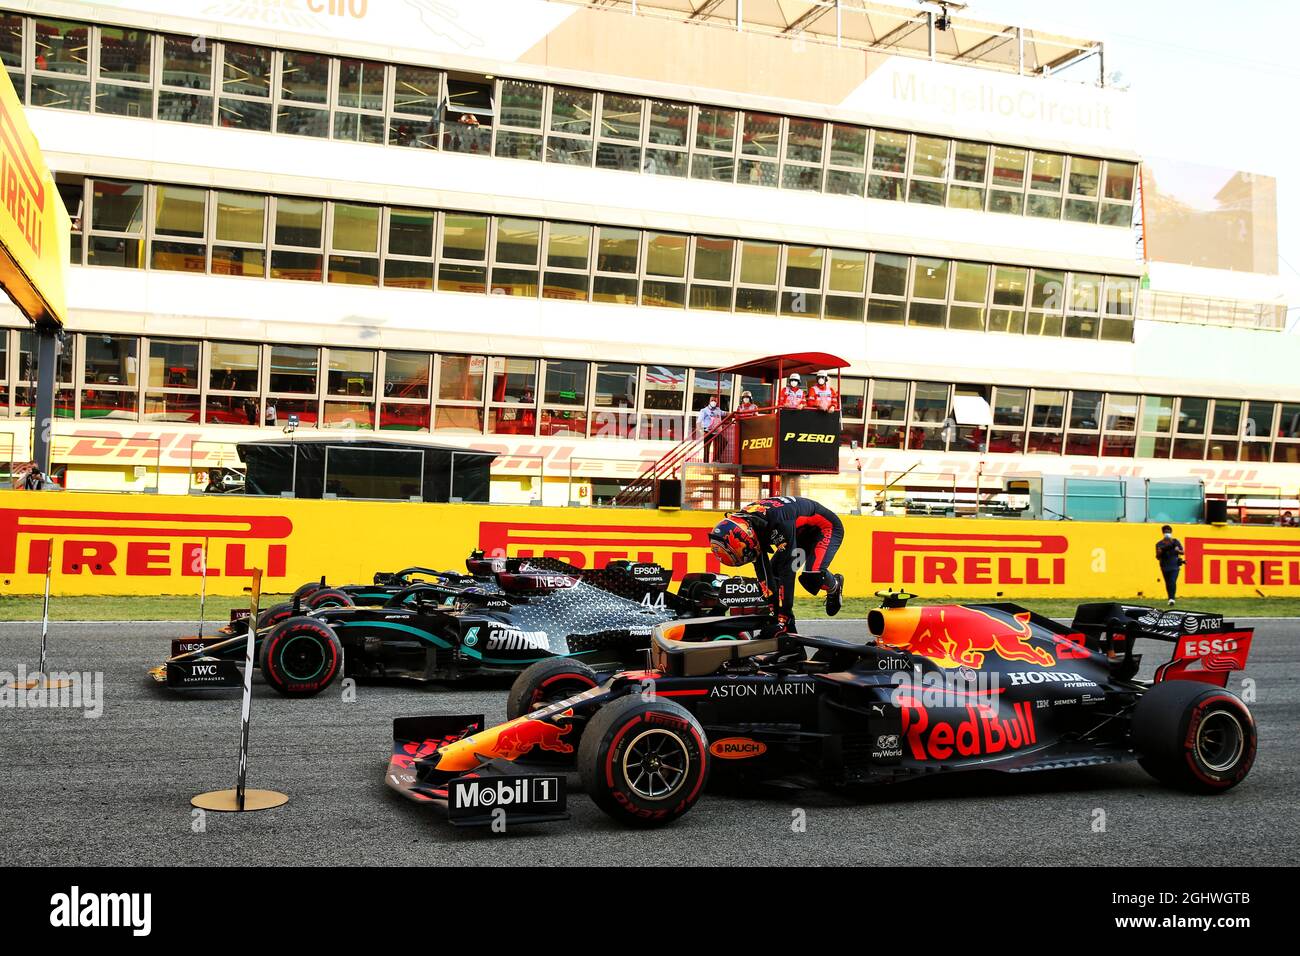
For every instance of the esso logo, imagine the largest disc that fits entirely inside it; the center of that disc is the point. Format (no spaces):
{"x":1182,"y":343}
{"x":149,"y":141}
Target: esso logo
{"x":1205,"y":646}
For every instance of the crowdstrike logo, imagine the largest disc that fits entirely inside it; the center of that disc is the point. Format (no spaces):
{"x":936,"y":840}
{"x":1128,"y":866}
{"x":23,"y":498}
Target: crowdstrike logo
{"x":74,"y":909}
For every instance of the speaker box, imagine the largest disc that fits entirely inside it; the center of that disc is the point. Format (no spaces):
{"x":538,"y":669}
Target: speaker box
{"x":668,"y":493}
{"x":1216,"y":511}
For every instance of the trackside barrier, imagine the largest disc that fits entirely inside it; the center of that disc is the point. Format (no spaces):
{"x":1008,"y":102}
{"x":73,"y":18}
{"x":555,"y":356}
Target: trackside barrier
{"x":135,"y":544}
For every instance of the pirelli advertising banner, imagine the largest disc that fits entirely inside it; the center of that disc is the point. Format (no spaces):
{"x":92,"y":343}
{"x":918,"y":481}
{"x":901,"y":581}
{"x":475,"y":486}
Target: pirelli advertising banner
{"x":34,"y":226}
{"x":151,"y":544}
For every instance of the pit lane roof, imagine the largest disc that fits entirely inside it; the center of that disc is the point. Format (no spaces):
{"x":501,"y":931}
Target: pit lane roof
{"x":873,"y":26}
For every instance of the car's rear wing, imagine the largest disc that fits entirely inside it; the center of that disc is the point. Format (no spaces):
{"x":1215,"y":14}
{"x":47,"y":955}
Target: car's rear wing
{"x":1206,"y":647}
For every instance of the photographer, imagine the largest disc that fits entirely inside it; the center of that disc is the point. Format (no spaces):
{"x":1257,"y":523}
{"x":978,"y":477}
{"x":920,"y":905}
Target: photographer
{"x":1169,"y":554}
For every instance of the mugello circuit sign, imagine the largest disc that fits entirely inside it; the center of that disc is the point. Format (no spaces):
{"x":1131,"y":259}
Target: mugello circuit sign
{"x":160,"y":544}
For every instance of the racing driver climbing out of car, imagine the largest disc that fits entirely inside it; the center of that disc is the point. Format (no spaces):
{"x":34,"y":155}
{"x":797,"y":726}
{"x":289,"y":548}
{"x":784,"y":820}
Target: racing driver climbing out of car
{"x":784,"y":537}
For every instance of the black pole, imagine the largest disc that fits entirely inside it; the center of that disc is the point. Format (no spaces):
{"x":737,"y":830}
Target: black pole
{"x":47,"y":341}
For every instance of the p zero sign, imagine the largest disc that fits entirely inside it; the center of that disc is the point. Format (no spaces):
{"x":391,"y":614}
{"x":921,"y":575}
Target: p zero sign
{"x":34,"y":226}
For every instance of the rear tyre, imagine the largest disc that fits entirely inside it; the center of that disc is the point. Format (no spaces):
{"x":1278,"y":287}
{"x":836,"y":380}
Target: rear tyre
{"x":546,"y":682}
{"x":274,"y":614}
{"x":301,"y":657}
{"x":307,"y":588}
{"x":644,"y":762}
{"x":327,"y":597}
{"x":1194,"y":737}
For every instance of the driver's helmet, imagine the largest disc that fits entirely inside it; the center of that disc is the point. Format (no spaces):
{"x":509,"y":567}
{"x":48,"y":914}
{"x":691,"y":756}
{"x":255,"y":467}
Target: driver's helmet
{"x":734,"y":541}
{"x":795,"y":380}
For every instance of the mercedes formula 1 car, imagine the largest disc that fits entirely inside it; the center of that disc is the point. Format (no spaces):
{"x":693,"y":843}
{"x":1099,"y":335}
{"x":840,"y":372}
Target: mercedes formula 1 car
{"x":429,"y":584}
{"x":936,"y":689}
{"x":535,"y":609}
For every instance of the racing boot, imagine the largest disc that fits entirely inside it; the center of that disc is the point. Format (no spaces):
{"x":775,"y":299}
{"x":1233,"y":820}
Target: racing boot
{"x":835,"y":598}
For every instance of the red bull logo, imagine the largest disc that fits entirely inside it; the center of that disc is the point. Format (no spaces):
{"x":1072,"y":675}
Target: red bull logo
{"x":1257,"y":562}
{"x":522,"y":736}
{"x":957,"y":636}
{"x":984,"y":732}
{"x":680,"y":549}
{"x":509,"y":741}
{"x":923,"y":557}
{"x":146,"y":544}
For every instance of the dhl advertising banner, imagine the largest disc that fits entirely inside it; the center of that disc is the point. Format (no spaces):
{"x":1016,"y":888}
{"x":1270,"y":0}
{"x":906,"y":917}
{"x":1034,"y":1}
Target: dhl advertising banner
{"x":137,"y":544}
{"x":34,"y":226}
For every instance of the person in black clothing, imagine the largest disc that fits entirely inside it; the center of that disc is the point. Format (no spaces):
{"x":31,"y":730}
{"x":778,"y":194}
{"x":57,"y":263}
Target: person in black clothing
{"x":784,"y":537}
{"x":1169,"y":553}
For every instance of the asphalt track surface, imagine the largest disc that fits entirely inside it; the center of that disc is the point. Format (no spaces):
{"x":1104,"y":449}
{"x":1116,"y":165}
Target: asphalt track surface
{"x":116,"y":790}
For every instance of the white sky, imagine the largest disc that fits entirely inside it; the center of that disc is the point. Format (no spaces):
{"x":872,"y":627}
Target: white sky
{"x":1216,"y":83}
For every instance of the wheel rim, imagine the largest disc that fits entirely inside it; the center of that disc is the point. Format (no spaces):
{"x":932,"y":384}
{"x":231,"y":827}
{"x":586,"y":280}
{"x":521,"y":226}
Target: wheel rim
{"x":655,"y":764}
{"x":1220,"y":740}
{"x":304,"y":661}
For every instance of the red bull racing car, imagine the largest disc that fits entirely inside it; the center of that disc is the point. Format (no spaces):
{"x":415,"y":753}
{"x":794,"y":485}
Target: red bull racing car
{"x":936,"y":689}
{"x":534,"y":609}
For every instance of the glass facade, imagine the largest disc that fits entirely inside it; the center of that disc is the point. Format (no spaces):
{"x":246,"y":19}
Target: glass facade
{"x":132,"y":72}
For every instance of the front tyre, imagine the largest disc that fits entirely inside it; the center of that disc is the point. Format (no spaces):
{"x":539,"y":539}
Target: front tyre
{"x":547,"y":682}
{"x":301,"y":656}
{"x":1194,"y":737}
{"x":644,"y":762}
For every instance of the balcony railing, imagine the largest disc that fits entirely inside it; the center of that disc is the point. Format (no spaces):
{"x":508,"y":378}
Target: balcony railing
{"x":865,"y":25}
{"x":1160,"y":306}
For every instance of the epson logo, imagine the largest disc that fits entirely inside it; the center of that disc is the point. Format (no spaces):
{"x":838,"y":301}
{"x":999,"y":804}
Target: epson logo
{"x":75,"y":909}
{"x":646,"y":570}
{"x":513,"y":639}
{"x":487,"y":794}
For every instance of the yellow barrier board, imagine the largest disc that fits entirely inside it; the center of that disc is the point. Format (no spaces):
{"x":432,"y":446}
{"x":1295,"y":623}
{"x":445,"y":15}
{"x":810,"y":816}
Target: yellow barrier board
{"x":34,"y":226}
{"x":137,"y":544}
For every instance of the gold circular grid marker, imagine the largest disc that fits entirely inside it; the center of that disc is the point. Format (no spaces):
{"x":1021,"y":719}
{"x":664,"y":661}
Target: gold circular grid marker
{"x":226,"y":801}
{"x":40,"y":682}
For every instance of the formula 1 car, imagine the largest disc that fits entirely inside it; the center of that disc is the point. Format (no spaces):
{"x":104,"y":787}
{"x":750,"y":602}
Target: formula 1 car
{"x":537,"y":609}
{"x":317,"y":595}
{"x":937,"y":689}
